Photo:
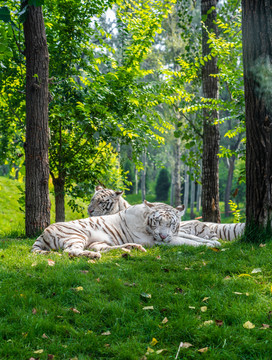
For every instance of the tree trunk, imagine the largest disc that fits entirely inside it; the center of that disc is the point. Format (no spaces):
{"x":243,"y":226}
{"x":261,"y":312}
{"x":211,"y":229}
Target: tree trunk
{"x":37,"y":216}
{"x":59,"y":199}
{"x":192,"y":199}
{"x":198,"y":197}
{"x":177,"y":179}
{"x":229,"y":184}
{"x":210,"y":161}
{"x":257,"y":58}
{"x":143,"y":172}
{"x":186,"y":186}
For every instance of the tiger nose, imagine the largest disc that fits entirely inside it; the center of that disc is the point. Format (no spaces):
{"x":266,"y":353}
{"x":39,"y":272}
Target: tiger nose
{"x":163,"y":236}
{"x":90,"y":211}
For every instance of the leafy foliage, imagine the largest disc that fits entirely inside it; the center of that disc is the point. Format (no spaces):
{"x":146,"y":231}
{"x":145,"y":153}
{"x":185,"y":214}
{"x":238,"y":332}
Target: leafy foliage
{"x":163,"y":185}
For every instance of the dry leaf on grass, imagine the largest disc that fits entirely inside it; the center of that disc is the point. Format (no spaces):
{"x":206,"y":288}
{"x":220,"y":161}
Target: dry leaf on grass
{"x":75,"y":310}
{"x":51,"y":262}
{"x":34,"y":264}
{"x":203,"y":350}
{"x":191,"y":307}
{"x":149,"y":351}
{"x":186,"y":345}
{"x":40,"y":351}
{"x":145,"y":296}
{"x":214,"y":249}
{"x":34,"y":311}
{"x":79,"y":288}
{"x":153,"y":342}
{"x":219,"y":322}
{"x":262,"y":245}
{"x":237,"y":293}
{"x":165,"y":320}
{"x":244,"y":275}
{"x":203,"y":308}
{"x":248,"y":325}
{"x":208,"y":322}
{"x":265,"y":326}
{"x":255,"y":271}
{"x":50,"y":356}
{"x":148,"y":308}
{"x":160,"y":351}
{"x":106,"y":333}
{"x":206,"y":298}
{"x":44,"y":336}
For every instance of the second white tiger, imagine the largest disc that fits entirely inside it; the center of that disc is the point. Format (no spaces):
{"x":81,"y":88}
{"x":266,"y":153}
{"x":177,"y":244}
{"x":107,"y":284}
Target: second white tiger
{"x":106,"y":201}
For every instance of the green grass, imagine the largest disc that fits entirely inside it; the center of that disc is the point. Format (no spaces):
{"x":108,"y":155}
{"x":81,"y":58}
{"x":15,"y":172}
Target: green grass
{"x":36,"y":303}
{"x":12,"y":219}
{"x":64,"y":309}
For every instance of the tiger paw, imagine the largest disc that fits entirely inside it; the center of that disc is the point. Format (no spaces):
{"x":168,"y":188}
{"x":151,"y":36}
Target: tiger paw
{"x":91,"y":254}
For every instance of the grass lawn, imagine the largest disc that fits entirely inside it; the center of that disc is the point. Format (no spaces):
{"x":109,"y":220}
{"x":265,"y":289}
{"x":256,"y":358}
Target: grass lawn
{"x":137,"y":306}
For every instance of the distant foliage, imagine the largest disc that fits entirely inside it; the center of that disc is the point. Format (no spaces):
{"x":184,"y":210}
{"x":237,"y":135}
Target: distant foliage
{"x":130,"y":176}
{"x":162,"y":185}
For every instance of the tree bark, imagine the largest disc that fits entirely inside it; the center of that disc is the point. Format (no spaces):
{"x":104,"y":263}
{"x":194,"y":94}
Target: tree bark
{"x":37,"y":216}
{"x":143,"y":173}
{"x":192,"y":199}
{"x":229,"y":184}
{"x":257,"y":59}
{"x":186,"y":187}
{"x":177,"y":179}
{"x":59,"y":199}
{"x":210,"y":160}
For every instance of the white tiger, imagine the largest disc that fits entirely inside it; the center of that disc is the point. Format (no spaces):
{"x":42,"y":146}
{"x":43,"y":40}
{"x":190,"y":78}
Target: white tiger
{"x":106,"y":201}
{"x":137,"y":226}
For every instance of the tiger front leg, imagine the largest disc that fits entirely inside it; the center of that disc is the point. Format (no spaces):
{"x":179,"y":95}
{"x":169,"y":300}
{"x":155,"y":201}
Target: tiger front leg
{"x":193,"y":240}
{"x":75,"y":250}
{"x":104,"y":247}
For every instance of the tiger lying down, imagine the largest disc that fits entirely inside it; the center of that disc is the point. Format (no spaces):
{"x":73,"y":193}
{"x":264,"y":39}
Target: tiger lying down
{"x":106,"y":201}
{"x":137,"y":226}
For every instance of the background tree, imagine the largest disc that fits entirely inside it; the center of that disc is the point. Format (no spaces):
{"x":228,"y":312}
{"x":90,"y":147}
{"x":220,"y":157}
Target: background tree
{"x":257,"y":56}
{"x":37,"y":215}
{"x":163,"y":185}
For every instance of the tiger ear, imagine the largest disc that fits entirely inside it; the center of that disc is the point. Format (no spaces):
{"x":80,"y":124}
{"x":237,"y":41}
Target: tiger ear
{"x":148,"y":204}
{"x":181,"y":210}
{"x":118,"y":193}
{"x":97,"y":188}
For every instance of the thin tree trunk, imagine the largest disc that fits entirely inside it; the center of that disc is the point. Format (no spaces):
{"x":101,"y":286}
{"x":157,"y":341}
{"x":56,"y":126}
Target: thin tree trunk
{"x":37,"y":216}
{"x":257,"y":59}
{"x":172,"y":189}
{"x":136,"y":182}
{"x":177,"y":179}
{"x":192,"y":200}
{"x":186,"y":186}
{"x":59,"y":199}
{"x":198,"y":197}
{"x":210,"y":161}
{"x":229,"y":184}
{"x":143,"y":173}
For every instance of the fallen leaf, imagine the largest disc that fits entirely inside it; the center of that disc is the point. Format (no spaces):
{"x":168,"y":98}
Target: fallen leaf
{"x":44,"y":336}
{"x":247,"y":294}
{"x":34,"y":264}
{"x":203,"y":308}
{"x":79,"y":288}
{"x":187,"y":268}
{"x":237,"y":293}
{"x":218,"y":322}
{"x":25,"y":334}
{"x":51,"y":262}
{"x":34,"y":311}
{"x":91,"y":261}
{"x":227,"y":277}
{"x":75,"y":311}
{"x":145,"y":296}
{"x":117,"y":264}
{"x":165,"y":320}
{"x":128,"y":284}
{"x":84,"y":271}
{"x":204,"y":263}
{"x":158,"y":257}
{"x":38,"y":351}
{"x":50,"y":356}
{"x":149,"y":351}
{"x":191,"y":307}
{"x":154,"y":342}
{"x":242,"y":275}
{"x":208,"y":322}
{"x":106,"y":333}
{"x":214,"y":249}
{"x":203,"y":350}
{"x":265,"y":326}
{"x":206,"y":298}
{"x":160,"y":351}
{"x":262,"y":245}
{"x":248,"y":325}
{"x":186,"y":345}
{"x":98,"y":279}
{"x":255,"y":271}
{"x":148,"y":308}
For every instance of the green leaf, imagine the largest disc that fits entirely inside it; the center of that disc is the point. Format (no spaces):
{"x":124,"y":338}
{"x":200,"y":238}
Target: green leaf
{"x":22,"y":14}
{"x":5,"y":14}
{"x":36,"y":2}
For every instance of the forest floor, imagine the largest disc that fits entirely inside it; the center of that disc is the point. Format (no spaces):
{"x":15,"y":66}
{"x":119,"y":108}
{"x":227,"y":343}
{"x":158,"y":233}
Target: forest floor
{"x":167,"y":303}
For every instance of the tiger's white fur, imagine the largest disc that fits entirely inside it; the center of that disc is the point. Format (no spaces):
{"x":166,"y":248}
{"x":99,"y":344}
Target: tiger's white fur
{"x":202,"y":229}
{"x":106,"y":202}
{"x":137,"y":226}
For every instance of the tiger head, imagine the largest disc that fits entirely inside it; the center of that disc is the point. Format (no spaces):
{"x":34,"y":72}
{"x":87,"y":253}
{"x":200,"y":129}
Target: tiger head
{"x":104,"y":202}
{"x":163,"y":221}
